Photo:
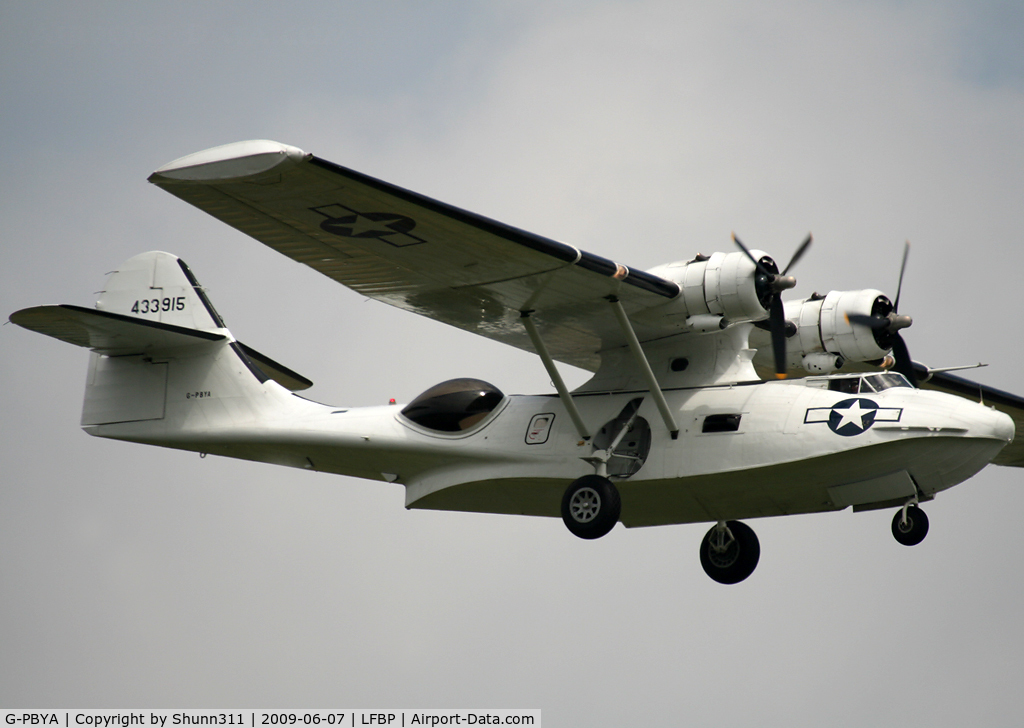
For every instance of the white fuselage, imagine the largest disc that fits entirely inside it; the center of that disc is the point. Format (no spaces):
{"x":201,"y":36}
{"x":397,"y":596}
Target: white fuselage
{"x":743,"y":451}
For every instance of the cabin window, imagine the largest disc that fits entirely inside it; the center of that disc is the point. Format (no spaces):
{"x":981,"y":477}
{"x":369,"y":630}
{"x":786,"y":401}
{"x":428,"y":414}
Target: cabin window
{"x":721,"y":423}
{"x":454,"y":406}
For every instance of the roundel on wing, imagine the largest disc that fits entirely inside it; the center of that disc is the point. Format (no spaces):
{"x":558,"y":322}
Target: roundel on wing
{"x":368,"y":224}
{"x":852,"y":416}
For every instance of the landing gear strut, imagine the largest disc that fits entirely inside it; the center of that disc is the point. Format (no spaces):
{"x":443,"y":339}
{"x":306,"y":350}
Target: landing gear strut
{"x":910,"y":525}
{"x":729,"y":552}
{"x":591,"y":506}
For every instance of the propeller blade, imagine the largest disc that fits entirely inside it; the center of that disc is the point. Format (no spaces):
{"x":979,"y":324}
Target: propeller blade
{"x":757,"y":263}
{"x":899,"y":286}
{"x":893,"y":323}
{"x":798,"y":254}
{"x":903,"y":365}
{"x":778,"y":282}
{"x":777,"y":318}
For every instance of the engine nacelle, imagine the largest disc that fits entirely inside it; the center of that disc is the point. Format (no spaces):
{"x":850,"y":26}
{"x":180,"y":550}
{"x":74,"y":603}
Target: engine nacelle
{"x":822,"y":327}
{"x":717,"y":291}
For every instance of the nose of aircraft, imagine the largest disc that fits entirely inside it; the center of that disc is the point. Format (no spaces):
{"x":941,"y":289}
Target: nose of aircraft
{"x":953,"y":460}
{"x":989,"y":423}
{"x":1002,"y":426}
{"x":981,"y":421}
{"x":991,"y":429}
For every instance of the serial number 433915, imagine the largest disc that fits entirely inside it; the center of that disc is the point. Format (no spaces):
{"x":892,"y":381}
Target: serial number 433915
{"x":156,"y":305}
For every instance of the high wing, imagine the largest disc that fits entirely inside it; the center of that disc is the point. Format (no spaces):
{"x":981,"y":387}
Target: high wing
{"x":419,"y":254}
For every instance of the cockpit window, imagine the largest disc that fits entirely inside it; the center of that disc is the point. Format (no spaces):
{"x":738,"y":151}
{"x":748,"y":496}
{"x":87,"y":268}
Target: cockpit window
{"x":868,"y":383}
{"x":454,"y":406}
{"x":847,"y":385}
{"x":887,"y":380}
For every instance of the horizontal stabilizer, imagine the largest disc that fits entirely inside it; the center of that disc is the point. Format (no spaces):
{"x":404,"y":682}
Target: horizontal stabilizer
{"x":115,"y":334}
{"x":109,"y":333}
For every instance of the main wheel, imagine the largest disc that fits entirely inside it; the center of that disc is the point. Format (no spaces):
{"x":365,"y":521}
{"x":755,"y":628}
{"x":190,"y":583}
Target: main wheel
{"x":912,"y":531}
{"x":591,"y":506}
{"x":729,"y":555}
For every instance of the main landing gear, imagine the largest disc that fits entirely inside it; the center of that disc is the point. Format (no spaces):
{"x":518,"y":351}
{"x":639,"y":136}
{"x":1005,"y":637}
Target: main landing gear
{"x":910,"y":525}
{"x":591,"y":506}
{"x":730,"y":550}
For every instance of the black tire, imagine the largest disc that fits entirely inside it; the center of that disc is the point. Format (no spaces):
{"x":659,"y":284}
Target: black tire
{"x":914,"y":530}
{"x":737,"y":561}
{"x":591,"y":506}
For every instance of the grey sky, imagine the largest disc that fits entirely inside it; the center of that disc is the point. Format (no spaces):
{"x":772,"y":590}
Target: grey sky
{"x":641,"y":131}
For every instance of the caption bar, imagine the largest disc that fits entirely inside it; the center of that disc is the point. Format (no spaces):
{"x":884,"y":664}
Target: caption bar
{"x":266,"y":718}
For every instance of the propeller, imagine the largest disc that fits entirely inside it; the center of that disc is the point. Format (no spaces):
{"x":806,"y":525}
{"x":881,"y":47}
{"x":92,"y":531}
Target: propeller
{"x":769,"y":285}
{"x":887,"y":326}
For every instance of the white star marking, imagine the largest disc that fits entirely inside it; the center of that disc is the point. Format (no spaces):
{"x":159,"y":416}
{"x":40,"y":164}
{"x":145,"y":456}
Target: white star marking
{"x":365,"y":224}
{"x":853,"y":415}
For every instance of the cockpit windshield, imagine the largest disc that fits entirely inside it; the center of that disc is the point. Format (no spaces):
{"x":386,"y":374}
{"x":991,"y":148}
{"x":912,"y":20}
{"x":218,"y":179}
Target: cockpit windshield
{"x":868,"y":383}
{"x":454,"y":406}
{"x":887,"y":380}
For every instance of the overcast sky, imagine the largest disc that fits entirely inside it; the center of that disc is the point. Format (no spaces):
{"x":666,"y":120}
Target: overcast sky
{"x":641,"y":131}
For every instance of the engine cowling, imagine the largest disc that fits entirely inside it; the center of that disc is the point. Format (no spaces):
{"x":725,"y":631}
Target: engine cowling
{"x":823,"y":329}
{"x":718,"y":290}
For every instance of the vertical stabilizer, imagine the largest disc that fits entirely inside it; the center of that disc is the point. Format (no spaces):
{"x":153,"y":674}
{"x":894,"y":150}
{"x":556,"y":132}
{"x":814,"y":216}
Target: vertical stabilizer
{"x":157,"y":286}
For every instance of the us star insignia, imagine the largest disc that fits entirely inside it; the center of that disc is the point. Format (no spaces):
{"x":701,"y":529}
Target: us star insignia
{"x":852,"y":416}
{"x":390,"y":227}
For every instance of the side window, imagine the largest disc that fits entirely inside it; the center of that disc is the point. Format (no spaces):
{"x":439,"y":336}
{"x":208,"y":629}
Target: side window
{"x":721,"y":423}
{"x":454,"y":406}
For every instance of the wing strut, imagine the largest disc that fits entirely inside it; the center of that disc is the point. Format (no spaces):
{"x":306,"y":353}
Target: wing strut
{"x":556,"y":378}
{"x":645,"y":367}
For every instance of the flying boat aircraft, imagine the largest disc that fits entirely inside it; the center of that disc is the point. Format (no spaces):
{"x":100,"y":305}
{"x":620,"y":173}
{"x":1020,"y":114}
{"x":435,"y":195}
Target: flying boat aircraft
{"x":711,"y":399}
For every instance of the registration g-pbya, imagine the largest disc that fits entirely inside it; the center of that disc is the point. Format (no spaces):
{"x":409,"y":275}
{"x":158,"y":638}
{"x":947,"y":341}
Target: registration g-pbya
{"x":711,"y":400}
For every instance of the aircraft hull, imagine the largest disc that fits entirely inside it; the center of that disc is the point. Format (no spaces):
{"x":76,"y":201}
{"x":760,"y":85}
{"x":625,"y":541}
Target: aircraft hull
{"x":796,"y":448}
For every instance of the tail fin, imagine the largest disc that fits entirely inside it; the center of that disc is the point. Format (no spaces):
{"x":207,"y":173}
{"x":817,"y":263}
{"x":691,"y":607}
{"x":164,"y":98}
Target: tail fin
{"x":159,"y":287}
{"x":156,"y":339}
